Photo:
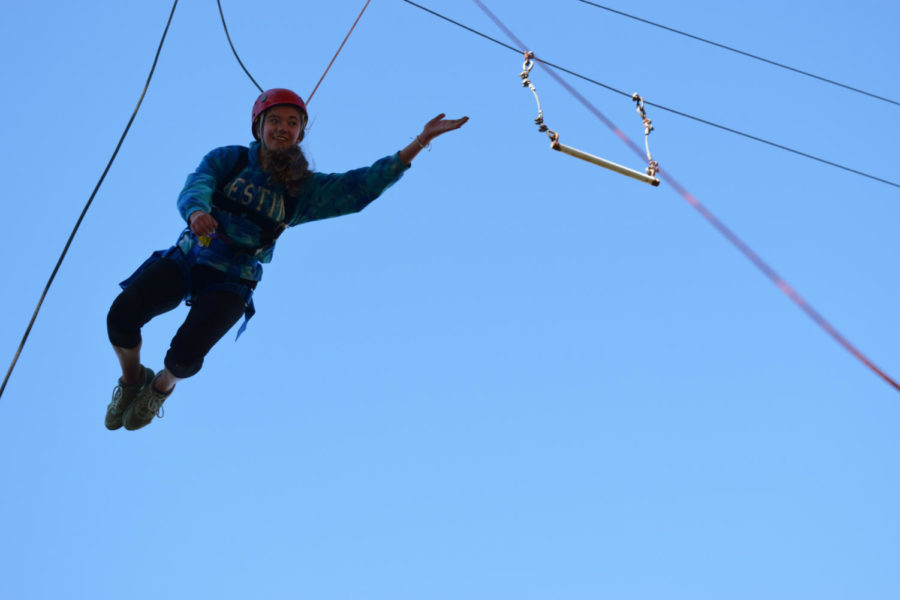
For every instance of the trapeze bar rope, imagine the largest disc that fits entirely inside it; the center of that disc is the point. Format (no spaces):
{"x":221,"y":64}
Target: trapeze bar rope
{"x":652,"y":167}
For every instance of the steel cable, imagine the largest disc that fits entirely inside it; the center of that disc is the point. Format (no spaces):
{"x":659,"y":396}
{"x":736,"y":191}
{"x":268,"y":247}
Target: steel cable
{"x":660,"y":106}
{"x":743,"y":53}
{"x":227,"y":35}
{"x":88,"y":204}
{"x":722,"y":228}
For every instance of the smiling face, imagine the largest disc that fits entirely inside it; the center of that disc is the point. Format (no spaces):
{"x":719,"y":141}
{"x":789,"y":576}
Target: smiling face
{"x":282,"y":126}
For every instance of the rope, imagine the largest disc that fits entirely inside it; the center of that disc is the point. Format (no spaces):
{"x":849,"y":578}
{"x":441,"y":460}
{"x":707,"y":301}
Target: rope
{"x":729,"y":235}
{"x":88,"y":204}
{"x":328,"y":68}
{"x":649,"y":175}
{"x":660,"y":106}
{"x":341,"y":47}
{"x":747,"y":54}
{"x":240,"y":62}
{"x":652,"y":165}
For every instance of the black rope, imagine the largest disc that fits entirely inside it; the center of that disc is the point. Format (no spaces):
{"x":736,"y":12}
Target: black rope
{"x":88,"y":204}
{"x":240,"y":62}
{"x":747,"y":54}
{"x":659,"y":106}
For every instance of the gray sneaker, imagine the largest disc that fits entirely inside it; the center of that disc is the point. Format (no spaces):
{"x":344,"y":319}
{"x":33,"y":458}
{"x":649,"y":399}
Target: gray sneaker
{"x":146,"y":405}
{"x":123,"y":396}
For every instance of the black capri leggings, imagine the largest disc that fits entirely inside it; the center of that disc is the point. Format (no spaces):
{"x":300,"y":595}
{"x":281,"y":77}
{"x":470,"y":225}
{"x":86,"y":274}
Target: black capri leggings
{"x":159,"y":289}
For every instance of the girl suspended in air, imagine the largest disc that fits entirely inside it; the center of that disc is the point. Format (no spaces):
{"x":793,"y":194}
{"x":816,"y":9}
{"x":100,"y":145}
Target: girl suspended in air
{"x":236,"y":204}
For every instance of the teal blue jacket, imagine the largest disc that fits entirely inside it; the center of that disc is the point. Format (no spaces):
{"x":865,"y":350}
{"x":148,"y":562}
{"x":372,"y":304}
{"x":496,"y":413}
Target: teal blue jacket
{"x":322,"y":196}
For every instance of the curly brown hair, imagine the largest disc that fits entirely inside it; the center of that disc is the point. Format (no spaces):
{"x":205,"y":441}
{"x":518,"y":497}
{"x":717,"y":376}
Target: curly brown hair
{"x":287,"y":168}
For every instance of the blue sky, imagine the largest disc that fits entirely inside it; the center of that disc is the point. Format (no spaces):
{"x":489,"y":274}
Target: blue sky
{"x":515,"y":375}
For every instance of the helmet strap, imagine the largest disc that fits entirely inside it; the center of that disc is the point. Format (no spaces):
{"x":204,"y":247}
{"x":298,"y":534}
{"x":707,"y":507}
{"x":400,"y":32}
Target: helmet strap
{"x":259,"y":127}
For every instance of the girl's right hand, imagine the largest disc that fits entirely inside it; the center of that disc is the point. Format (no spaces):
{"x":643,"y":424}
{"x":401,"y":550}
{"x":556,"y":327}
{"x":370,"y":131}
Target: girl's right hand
{"x":203,"y":224}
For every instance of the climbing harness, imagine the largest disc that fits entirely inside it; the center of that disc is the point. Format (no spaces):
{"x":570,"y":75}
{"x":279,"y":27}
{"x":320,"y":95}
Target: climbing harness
{"x":653,"y":167}
{"x":270,"y":229}
{"x":185,"y":252}
{"x":233,"y":282}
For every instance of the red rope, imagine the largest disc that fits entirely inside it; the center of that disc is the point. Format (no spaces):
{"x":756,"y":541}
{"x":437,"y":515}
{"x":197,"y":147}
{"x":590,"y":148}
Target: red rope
{"x":725,"y":231}
{"x":312,"y":93}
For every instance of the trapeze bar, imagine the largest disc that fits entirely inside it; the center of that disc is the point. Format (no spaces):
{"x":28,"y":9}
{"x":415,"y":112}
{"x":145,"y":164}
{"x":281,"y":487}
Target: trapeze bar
{"x":602,"y":162}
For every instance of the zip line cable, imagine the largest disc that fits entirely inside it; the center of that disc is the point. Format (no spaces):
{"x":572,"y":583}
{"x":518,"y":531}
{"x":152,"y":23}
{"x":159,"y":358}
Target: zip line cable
{"x":720,"y":226}
{"x":89,"y":202}
{"x":747,"y":54}
{"x":240,"y":62}
{"x":660,"y":106}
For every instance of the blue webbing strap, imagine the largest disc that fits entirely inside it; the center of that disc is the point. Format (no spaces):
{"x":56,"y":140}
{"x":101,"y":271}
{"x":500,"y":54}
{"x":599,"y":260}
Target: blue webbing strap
{"x":231,"y":284}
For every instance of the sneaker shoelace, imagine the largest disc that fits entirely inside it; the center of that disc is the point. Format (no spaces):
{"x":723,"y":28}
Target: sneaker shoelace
{"x":118,"y":394}
{"x":155,"y":406}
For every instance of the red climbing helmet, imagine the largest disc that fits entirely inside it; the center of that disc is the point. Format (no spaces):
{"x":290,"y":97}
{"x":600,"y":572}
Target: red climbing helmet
{"x":271,"y":98}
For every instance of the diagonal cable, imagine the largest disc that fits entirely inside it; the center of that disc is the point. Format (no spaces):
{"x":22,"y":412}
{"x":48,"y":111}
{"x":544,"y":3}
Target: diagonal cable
{"x":660,"y":106}
{"x":88,"y":204}
{"x":341,"y":47}
{"x":723,"y":229}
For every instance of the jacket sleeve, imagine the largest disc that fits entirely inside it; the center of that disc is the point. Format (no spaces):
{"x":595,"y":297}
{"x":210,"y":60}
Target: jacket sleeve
{"x":335,"y":194}
{"x":200,"y":185}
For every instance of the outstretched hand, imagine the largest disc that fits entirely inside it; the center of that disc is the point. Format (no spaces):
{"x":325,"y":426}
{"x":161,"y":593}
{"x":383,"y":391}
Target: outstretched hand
{"x":439,"y":126}
{"x":433,"y":128}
